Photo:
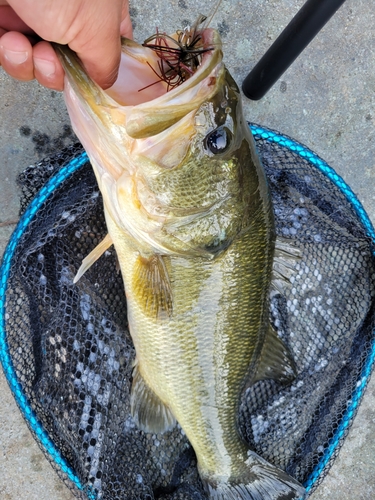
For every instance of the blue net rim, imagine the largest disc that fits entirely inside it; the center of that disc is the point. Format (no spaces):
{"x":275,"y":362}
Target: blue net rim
{"x":54,"y":183}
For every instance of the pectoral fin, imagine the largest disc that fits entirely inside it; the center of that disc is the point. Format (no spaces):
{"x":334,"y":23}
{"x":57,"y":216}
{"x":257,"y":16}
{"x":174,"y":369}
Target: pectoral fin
{"x":93,"y":256}
{"x":152,"y":287}
{"x":147,"y":409}
{"x":275,"y":361}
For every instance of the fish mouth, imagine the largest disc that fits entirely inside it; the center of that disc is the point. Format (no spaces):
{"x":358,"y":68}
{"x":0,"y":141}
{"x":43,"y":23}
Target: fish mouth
{"x":160,"y":66}
{"x":141,"y":100}
{"x":152,"y":107}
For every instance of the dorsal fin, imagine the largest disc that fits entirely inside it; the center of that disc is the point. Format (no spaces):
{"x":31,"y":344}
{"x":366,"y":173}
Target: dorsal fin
{"x":275,"y":361}
{"x":285,"y":259}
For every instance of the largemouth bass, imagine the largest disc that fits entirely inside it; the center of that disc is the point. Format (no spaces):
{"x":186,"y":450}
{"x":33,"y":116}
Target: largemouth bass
{"x":188,"y":210}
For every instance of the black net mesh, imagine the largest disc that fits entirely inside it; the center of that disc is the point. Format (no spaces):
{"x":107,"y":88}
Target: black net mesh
{"x":68,"y":355}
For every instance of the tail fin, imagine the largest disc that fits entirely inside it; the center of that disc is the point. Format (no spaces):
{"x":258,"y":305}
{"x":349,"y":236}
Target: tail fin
{"x":259,"y":481}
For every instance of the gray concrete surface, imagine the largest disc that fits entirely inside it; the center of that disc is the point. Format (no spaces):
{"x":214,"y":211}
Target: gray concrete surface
{"x":325,"y":100}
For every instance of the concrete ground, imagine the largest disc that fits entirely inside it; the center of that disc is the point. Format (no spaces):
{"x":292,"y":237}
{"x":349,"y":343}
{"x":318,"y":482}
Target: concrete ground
{"x":325,"y":100}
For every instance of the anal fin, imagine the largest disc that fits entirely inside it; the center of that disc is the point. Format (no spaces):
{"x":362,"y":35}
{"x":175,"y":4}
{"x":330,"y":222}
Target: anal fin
{"x":152,"y":287}
{"x":147,"y":409}
{"x":93,"y":256}
{"x":275,"y":361}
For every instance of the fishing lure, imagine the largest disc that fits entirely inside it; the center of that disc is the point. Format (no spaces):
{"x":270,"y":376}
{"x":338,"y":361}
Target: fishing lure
{"x":179,"y":57}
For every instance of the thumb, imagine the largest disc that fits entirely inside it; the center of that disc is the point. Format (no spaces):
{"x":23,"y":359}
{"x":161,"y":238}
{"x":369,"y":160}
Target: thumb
{"x":101,"y":61}
{"x":98,"y":44}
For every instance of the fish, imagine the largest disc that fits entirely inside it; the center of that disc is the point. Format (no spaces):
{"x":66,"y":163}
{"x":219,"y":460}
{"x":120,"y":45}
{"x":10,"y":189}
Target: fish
{"x":188,"y":210}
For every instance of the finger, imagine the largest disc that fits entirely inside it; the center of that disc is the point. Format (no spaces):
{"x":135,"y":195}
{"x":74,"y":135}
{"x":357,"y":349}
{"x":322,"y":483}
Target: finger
{"x":103,"y":73}
{"x":16,"y":56}
{"x":47,"y":68}
{"x":98,"y":44}
{"x":10,"y":21}
{"x":126,"y":28}
{"x":102,"y":61}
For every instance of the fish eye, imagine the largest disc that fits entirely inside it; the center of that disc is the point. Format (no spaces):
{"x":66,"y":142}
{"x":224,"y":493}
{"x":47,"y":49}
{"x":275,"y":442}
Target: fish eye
{"x":218,"y":140}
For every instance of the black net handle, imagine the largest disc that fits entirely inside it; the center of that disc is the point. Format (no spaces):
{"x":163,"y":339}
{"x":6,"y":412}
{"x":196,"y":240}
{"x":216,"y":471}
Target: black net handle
{"x":305,"y":25}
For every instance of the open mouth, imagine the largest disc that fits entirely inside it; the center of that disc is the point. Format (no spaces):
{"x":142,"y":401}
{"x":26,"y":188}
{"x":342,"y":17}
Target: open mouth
{"x":158,"y":84}
{"x":162,"y":64}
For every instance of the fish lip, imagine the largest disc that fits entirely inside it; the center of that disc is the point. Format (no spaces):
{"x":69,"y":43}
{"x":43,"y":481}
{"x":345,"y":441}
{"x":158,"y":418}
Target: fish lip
{"x":211,"y":36}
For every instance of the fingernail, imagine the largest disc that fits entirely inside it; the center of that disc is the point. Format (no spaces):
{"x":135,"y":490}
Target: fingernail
{"x":15,"y":57}
{"x":47,"y":68}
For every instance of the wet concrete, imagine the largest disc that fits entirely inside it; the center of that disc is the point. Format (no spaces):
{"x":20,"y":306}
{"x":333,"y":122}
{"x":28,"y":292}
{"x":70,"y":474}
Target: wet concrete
{"x":325,"y":100}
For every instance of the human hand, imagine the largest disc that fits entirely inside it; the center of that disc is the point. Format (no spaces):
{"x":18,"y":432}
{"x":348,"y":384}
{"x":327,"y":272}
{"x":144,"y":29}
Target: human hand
{"x":92,"y":28}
